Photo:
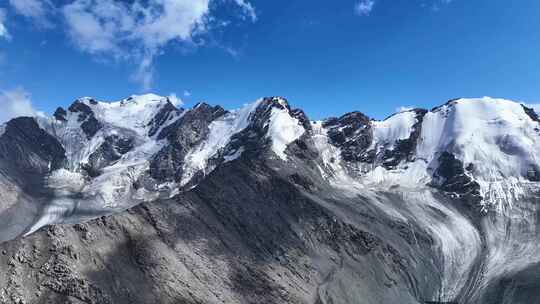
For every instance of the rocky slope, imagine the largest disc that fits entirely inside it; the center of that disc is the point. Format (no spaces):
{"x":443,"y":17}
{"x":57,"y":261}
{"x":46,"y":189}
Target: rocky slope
{"x":139,"y":201}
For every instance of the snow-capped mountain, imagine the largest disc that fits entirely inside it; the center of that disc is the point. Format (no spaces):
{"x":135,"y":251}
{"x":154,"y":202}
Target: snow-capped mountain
{"x":485,"y":148}
{"x":436,"y":205}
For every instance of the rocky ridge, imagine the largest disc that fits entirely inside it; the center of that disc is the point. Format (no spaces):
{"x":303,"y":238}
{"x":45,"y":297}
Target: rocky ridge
{"x":262,"y":205}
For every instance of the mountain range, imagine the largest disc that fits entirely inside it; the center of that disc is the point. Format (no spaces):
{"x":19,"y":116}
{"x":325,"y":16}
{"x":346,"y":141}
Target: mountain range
{"x":140,"y":201}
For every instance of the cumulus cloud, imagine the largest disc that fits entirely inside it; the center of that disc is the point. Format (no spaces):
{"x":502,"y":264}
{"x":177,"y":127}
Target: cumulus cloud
{"x":15,"y":103}
{"x":364,"y":7}
{"x":3,"y":30}
{"x":38,"y":10}
{"x":139,"y":30}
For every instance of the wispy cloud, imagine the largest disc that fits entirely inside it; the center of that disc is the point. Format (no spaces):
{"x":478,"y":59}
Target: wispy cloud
{"x":3,"y":30}
{"x":175,"y":100}
{"x":364,"y":7}
{"x":187,"y":93}
{"x":437,"y":5}
{"x":38,"y":10}
{"x":15,"y":103}
{"x":248,"y":9}
{"x":139,"y":30}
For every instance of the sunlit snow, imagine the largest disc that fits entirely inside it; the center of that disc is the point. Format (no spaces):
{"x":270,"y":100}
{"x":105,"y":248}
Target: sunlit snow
{"x":283,"y":129}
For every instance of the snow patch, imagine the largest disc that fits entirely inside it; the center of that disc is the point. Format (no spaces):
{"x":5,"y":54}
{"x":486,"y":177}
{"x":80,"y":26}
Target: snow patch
{"x":65,"y":182}
{"x":397,"y":127}
{"x":283,"y":129}
{"x":134,"y":113}
{"x":330,"y":155}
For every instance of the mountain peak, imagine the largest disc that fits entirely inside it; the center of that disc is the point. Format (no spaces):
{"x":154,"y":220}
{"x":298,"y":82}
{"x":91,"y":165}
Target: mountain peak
{"x":414,"y":169}
{"x":277,"y":100}
{"x":145,"y":140}
{"x":135,"y":113}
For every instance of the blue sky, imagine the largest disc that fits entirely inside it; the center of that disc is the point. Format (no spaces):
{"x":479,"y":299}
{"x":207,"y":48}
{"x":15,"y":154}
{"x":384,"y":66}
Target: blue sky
{"x":327,"y":57}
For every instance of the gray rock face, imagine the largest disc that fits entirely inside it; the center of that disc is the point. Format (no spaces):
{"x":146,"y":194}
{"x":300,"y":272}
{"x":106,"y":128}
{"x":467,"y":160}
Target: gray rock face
{"x":353,"y":134}
{"x":27,"y":155}
{"x":531,"y":113}
{"x":405,"y":148}
{"x":109,"y":151}
{"x":254,"y":225}
{"x":60,"y":114}
{"x":184,"y":134}
{"x":89,"y":124}
{"x":27,"y":152}
{"x":164,"y":115}
{"x":264,"y":240}
{"x":451,"y":177}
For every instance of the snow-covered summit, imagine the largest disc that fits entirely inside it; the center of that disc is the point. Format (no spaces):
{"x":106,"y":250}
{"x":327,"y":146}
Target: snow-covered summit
{"x":388,"y":132}
{"x":409,"y":188}
{"x":141,"y":148}
{"x":496,"y":134}
{"x":495,"y":139}
{"x":229,"y":134}
{"x":133,"y":113}
{"x":108,"y":150}
{"x":493,"y":143}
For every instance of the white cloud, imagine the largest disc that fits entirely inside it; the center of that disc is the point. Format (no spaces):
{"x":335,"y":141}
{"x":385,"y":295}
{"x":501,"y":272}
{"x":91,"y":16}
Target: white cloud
{"x":138,"y":30}
{"x":145,"y":71}
{"x":175,"y":100}
{"x":98,"y":26}
{"x":248,"y":9}
{"x":231,"y":51}
{"x":364,"y":7}
{"x":187,"y":93}
{"x":35,"y":9}
{"x":3,"y":30}
{"x":15,"y":103}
